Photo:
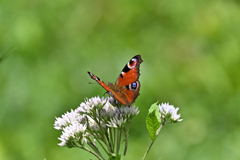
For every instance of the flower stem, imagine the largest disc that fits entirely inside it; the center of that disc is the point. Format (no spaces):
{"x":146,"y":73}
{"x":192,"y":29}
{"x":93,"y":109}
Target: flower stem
{"x":149,"y":147}
{"x":126,"y":142}
{"x":90,"y":151}
{"x":102,"y":145}
{"x":92,"y":145}
{"x":98,"y":140}
{"x":109,"y":143}
{"x":118,"y":140}
{"x":111,"y":138}
{"x":114,"y":137}
{"x":103,"y":132}
{"x":126,"y":138}
{"x":95,"y":154}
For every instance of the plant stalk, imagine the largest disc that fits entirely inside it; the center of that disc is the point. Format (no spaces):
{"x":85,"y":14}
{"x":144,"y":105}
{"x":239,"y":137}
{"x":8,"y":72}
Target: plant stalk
{"x":150,"y":145}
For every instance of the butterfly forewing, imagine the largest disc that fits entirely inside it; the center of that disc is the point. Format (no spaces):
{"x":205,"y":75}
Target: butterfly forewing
{"x":99,"y":81}
{"x":130,"y":72}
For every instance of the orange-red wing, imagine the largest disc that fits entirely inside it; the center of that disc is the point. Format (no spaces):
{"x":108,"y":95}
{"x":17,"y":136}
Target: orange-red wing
{"x":126,"y":95}
{"x":132,"y":94}
{"x":99,"y":81}
{"x":126,"y":88}
{"x":130,"y":72}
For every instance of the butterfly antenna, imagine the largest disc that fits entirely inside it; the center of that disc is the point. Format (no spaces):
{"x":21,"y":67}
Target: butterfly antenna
{"x":91,"y":83}
{"x":104,"y":93}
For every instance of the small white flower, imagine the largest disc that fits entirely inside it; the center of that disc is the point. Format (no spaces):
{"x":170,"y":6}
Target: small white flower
{"x":88,"y":105}
{"x":83,"y":108}
{"x":77,"y":128}
{"x":93,"y":125}
{"x":63,"y":140}
{"x":169,"y":111}
{"x":107,"y":109}
{"x":66,"y":120}
{"x":84,"y":137}
{"x":175,"y":117}
{"x":126,"y":112}
{"x":72,"y":133}
{"x":66,"y":136}
{"x":116,"y":122}
{"x":131,"y":111}
{"x":166,"y":109}
{"x":97,"y":100}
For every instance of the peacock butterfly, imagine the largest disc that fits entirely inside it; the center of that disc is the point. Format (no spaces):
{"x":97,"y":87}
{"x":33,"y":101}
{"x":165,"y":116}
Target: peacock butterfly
{"x":126,"y":88}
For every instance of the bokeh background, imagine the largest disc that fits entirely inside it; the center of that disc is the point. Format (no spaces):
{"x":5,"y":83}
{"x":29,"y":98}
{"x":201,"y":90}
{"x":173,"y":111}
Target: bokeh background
{"x":191,"y":54}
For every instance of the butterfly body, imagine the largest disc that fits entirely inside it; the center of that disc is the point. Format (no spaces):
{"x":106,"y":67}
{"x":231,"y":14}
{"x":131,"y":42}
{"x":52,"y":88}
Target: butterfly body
{"x":126,"y":88}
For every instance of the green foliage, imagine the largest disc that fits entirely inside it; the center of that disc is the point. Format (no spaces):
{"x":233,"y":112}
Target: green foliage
{"x":152,"y":124}
{"x":155,"y":108}
{"x":190,"y":52}
{"x":153,"y":121}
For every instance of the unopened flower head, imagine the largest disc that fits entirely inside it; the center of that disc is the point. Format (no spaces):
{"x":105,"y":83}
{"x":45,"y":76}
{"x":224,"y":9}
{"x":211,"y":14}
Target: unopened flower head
{"x":126,"y":112}
{"x":94,"y":125}
{"x":116,"y":122}
{"x":107,"y":109}
{"x":129,"y":111}
{"x":169,"y":111}
{"x":119,"y":116}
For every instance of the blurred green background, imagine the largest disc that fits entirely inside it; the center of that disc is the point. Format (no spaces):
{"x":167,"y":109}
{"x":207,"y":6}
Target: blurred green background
{"x":191,"y":54}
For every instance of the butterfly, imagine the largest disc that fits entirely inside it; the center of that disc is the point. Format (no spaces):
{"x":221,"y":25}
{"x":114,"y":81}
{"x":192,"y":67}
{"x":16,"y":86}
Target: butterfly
{"x":126,"y":88}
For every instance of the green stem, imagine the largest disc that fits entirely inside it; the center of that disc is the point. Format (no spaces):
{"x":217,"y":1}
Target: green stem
{"x":149,"y":147}
{"x":102,"y":145}
{"x":126,"y":142}
{"x":111,"y":138}
{"x":90,"y":151}
{"x":114,"y":137}
{"x":92,"y":145}
{"x":104,"y":136}
{"x":118,"y":140}
{"x":95,"y":154}
{"x":97,"y":139}
{"x":109,"y":143}
{"x":126,"y":138}
{"x":148,"y":150}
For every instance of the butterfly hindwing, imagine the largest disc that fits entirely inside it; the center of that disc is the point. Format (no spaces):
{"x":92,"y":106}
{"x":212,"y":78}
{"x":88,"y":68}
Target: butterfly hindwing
{"x":127,"y":94}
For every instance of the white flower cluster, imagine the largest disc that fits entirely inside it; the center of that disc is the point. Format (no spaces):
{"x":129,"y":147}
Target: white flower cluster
{"x":169,"y":111}
{"x":73,"y":126}
{"x":93,"y":117}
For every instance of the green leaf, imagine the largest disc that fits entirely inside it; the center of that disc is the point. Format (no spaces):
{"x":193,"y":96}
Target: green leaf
{"x":152,"y":124}
{"x":155,"y":108}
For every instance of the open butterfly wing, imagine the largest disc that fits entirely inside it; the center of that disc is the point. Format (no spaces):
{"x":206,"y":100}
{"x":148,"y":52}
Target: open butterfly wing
{"x":131,"y":94}
{"x":126,"y":89}
{"x":126,"y":95}
{"x":130,"y":72}
{"x":99,"y":81}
